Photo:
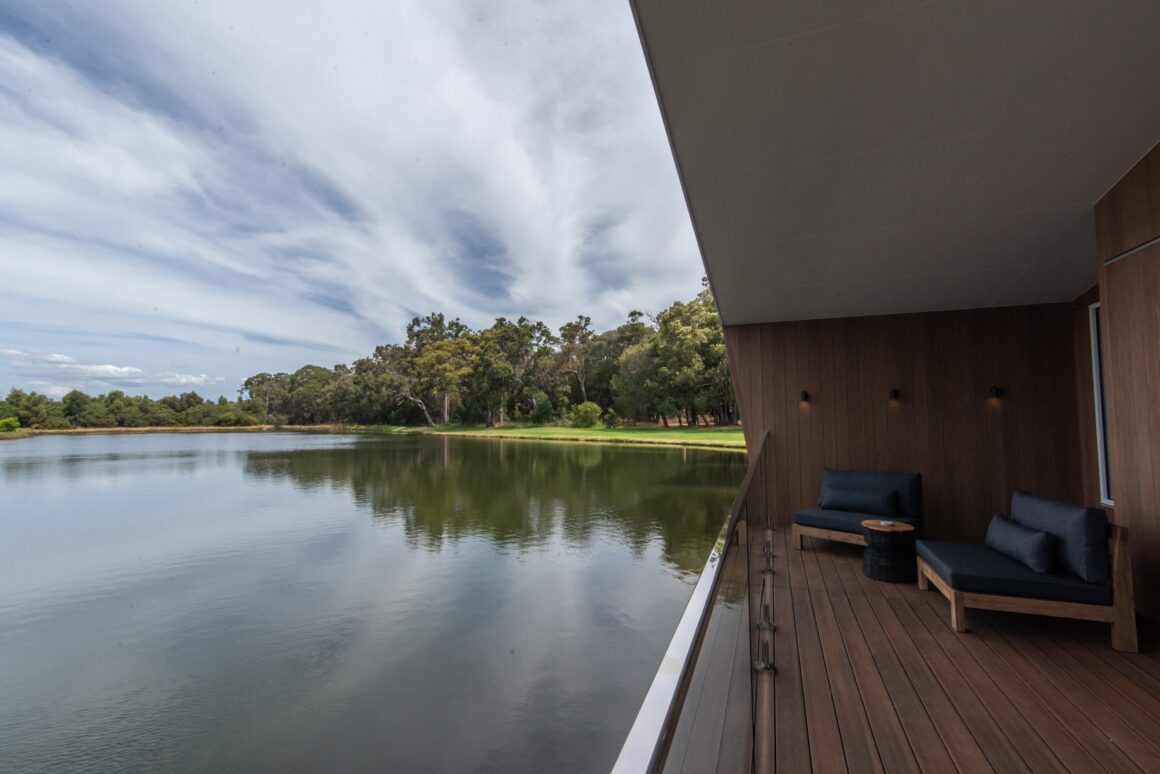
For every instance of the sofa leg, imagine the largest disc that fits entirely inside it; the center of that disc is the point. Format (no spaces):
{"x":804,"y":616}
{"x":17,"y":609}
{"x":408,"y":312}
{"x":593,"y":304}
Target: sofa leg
{"x":958,"y":612}
{"x":795,"y":537}
{"x":1124,"y":633}
{"x":923,"y":581}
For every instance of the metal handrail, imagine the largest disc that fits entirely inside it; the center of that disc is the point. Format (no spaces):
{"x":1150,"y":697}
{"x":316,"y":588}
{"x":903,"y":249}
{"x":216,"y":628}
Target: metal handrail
{"x":649,"y":738}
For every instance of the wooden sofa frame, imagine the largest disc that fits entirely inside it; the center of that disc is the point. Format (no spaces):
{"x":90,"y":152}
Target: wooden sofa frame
{"x":798,"y":531}
{"x":1121,"y":614}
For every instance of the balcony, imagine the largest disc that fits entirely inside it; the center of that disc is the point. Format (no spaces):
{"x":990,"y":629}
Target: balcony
{"x":869,"y":676}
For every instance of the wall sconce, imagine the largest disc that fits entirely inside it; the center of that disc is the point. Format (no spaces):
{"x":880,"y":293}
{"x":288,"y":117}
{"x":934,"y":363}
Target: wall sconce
{"x":894,"y":395}
{"x":805,"y":397}
{"x":995,"y":392}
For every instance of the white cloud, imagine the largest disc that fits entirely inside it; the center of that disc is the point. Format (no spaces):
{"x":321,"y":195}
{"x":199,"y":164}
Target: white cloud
{"x":55,"y":374}
{"x":188,"y":380}
{"x":50,"y":389}
{"x":229,"y":188}
{"x":109,"y":372}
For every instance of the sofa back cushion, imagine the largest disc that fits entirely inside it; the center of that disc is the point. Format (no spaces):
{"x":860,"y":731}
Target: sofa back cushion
{"x":875,"y":502}
{"x":1034,"y":548}
{"x":907,"y":488}
{"x":1081,"y":533}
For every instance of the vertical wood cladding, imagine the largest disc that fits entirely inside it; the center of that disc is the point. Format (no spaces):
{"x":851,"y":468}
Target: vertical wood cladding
{"x":1128,"y":216}
{"x":972,"y":450}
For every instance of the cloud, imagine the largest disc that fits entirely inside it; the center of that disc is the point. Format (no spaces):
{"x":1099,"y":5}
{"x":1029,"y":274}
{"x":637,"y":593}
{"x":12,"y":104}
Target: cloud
{"x":249,"y":187}
{"x":107,"y":372}
{"x":49,"y":389}
{"x":55,"y":374}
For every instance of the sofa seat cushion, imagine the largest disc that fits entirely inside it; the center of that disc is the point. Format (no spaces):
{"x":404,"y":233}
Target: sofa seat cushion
{"x":972,"y":567}
{"x":1081,"y":533}
{"x":840,"y":521}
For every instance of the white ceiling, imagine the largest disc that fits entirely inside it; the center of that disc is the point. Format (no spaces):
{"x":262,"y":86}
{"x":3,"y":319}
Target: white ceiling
{"x":861,"y":157}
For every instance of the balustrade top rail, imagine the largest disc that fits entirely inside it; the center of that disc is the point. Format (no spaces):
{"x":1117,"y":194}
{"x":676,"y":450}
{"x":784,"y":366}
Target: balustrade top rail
{"x":651,"y":734}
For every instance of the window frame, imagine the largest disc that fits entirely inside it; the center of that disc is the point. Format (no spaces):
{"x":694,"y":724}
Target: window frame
{"x":1095,"y":326}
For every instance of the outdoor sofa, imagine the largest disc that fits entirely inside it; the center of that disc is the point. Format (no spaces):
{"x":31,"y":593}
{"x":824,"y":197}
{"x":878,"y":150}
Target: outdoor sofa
{"x":1049,"y":558}
{"x":849,"y":497}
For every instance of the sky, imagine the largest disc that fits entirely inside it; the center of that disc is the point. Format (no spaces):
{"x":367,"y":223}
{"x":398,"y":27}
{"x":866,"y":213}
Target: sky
{"x":194,"y":192}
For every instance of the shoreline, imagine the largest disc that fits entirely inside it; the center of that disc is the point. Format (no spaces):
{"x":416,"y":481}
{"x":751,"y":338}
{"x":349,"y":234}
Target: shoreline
{"x":649,"y":436}
{"x":564,"y":437}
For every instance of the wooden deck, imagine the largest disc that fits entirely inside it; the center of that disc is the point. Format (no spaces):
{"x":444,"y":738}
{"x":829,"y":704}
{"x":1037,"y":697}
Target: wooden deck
{"x":870,"y":677}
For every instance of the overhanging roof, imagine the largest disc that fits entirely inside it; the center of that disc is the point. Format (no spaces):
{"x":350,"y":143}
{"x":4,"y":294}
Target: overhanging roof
{"x":861,"y":157}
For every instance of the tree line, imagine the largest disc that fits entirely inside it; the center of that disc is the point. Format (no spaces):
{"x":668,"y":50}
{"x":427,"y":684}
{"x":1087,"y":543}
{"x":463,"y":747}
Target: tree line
{"x":670,"y":369}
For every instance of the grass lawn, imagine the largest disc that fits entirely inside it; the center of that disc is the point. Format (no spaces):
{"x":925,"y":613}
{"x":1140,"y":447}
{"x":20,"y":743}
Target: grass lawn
{"x":705,"y":437}
{"x":715,"y":437}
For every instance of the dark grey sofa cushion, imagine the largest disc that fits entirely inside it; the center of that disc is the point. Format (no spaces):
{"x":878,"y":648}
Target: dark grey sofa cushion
{"x":1031,"y":547}
{"x":841,"y":521}
{"x":875,"y":502}
{"x":1081,"y":533}
{"x":973,"y":567}
{"x":906,"y":486}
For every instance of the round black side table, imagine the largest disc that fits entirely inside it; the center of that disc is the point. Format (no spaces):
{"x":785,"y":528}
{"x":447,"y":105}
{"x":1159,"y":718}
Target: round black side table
{"x":889,"y":554}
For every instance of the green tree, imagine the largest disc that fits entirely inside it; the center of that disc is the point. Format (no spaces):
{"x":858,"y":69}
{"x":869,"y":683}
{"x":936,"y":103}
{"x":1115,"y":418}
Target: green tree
{"x":267,"y":393}
{"x":490,"y":373}
{"x":575,"y":351}
{"x":605,"y":352}
{"x":73,"y":405}
{"x":440,"y":354}
{"x":305,"y":402}
{"x":632,"y":384}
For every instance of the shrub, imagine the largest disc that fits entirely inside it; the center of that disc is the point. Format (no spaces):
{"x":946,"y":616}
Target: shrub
{"x":543,"y":414}
{"x":586,"y":414}
{"x":55,"y":423}
{"x":611,"y":418}
{"x":232,"y":417}
{"x":9,"y":424}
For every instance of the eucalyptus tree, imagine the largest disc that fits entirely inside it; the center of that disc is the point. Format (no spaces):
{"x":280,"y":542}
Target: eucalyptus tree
{"x":440,"y":353}
{"x":605,"y":352}
{"x":490,"y":373}
{"x":575,"y":349}
{"x":267,"y":393}
{"x":391,"y":377}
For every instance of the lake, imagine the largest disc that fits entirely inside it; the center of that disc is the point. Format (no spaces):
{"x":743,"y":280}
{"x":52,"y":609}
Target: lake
{"x":295,"y":602}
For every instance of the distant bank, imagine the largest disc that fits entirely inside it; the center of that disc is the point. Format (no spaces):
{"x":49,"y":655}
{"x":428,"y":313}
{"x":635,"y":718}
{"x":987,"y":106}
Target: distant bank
{"x":709,"y":437}
{"x":702,"y":437}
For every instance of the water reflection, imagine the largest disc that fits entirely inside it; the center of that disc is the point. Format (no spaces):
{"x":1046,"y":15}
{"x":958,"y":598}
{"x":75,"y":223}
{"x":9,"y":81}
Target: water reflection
{"x":521,"y":493}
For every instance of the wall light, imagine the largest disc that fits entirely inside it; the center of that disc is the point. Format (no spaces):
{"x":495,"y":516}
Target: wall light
{"x":995,"y":392}
{"x":805,"y":397}
{"x":893,"y":394}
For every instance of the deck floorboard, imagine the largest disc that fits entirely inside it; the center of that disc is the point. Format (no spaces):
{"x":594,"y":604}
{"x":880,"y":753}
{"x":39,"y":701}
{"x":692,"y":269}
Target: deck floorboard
{"x":870,"y":677}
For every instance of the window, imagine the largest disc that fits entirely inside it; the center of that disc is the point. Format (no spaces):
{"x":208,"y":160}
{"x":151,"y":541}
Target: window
{"x":1101,"y":407}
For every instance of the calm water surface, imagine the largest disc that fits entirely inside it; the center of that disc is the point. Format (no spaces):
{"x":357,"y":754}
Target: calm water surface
{"x":285,"y":602}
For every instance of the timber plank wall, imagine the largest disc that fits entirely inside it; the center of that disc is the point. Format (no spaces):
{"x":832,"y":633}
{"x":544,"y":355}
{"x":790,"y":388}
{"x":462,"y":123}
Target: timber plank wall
{"x":1126,"y":218}
{"x":972,"y":450}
